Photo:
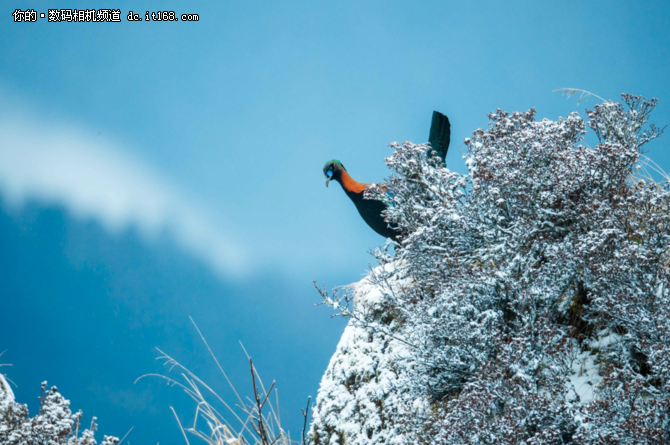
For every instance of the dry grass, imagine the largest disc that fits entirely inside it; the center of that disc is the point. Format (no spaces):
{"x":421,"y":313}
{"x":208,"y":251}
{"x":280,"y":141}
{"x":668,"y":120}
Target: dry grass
{"x":253,"y":421}
{"x":648,"y":171}
{"x":583,"y":94}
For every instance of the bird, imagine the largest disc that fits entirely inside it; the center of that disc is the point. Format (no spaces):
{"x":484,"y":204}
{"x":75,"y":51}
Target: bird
{"x":371,"y":209}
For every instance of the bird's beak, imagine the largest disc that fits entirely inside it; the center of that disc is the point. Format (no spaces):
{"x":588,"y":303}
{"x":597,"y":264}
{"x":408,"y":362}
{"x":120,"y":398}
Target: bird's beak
{"x":327,"y":181}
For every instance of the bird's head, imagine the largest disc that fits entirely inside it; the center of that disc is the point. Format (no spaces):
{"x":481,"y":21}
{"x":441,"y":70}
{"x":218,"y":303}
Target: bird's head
{"x":333,"y":170}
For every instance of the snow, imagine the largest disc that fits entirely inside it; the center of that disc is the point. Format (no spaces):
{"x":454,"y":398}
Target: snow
{"x":6,"y":393}
{"x":585,"y":377}
{"x":356,"y":403}
{"x":54,"y":424}
{"x":587,"y":367}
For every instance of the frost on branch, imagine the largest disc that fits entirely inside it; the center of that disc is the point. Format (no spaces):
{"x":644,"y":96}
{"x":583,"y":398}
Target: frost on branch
{"x":535,"y":303}
{"x":53,"y":425}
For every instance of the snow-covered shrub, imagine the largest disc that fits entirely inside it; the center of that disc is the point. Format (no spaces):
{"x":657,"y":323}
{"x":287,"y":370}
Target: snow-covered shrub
{"x":53,"y":425}
{"x":535,"y":294}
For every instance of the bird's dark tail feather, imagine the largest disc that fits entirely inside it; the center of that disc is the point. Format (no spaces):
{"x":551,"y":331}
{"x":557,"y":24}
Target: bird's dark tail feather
{"x":440,"y":134}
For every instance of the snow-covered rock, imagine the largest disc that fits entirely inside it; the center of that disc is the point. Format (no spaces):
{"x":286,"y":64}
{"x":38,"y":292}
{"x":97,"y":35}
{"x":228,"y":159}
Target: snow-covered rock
{"x":356,"y":403}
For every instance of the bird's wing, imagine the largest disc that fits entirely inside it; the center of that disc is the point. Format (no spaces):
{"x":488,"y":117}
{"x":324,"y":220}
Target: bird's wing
{"x":440,"y":134}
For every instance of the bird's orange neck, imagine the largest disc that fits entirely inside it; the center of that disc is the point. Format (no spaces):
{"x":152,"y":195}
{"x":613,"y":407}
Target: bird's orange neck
{"x":350,"y":184}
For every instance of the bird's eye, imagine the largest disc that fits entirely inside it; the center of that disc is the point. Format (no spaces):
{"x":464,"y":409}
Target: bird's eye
{"x":329,"y":172}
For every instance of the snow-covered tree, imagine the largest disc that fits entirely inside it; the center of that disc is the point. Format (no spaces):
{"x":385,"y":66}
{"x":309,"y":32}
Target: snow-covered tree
{"x":532,"y":292}
{"x":54,"y":424}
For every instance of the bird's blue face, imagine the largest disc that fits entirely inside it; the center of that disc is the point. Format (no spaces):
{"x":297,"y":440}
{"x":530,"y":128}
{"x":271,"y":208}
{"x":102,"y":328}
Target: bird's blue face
{"x":332,"y":169}
{"x":329,"y":174}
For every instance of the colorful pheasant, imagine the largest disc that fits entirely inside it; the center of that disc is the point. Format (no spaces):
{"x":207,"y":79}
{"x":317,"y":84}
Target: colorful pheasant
{"x":371,"y":209}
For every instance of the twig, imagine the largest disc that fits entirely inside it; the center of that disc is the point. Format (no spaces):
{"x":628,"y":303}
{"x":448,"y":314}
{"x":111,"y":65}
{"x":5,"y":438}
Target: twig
{"x":305,"y":414}
{"x":259,"y":406}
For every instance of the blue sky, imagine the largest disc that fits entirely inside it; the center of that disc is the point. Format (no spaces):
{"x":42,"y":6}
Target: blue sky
{"x":152,"y":171}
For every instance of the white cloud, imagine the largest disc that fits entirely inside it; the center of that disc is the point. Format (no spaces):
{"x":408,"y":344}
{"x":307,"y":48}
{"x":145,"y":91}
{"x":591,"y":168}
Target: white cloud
{"x":95,"y":178}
